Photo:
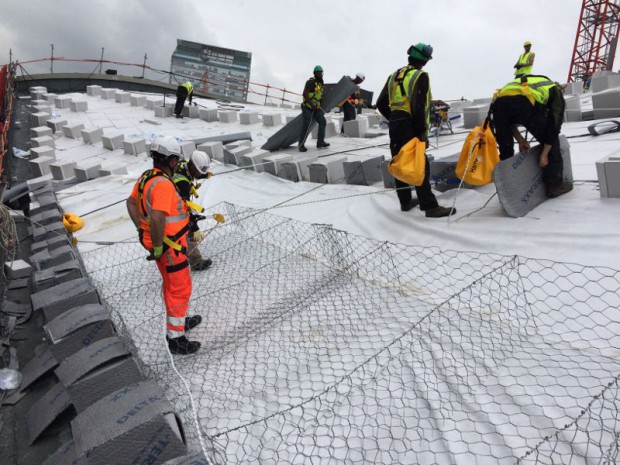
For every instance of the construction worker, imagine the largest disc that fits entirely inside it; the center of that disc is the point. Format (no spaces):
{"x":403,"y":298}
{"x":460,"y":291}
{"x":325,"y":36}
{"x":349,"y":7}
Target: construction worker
{"x":185,"y":90}
{"x":311,"y":109}
{"x":405,"y":101}
{"x":349,"y":105}
{"x":526,"y":60}
{"x":162,"y":220}
{"x":185,"y":178}
{"x":537,"y":103}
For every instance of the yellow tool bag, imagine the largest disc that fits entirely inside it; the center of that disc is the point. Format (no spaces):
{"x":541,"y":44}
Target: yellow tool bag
{"x":409,"y":164}
{"x":72,"y":222}
{"x":478,"y":157}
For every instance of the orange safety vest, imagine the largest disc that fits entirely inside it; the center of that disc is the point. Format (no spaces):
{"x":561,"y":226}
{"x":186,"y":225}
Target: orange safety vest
{"x":177,"y":214}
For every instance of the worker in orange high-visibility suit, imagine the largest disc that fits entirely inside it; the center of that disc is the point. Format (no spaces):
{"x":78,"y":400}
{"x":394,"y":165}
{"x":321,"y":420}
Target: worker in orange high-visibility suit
{"x":162,"y":219}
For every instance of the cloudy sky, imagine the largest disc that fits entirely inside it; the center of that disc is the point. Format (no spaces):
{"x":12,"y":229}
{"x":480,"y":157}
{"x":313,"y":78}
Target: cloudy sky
{"x":476,"y":42}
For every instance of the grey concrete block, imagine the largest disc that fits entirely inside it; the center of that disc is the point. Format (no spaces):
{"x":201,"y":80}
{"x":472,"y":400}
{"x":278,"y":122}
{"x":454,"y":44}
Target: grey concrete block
{"x":606,"y":80}
{"x":108,"y":94}
{"x":271,"y":164}
{"x":42,"y":141}
{"x":572,"y":112}
{"x":152,"y":121}
{"x":327,"y":170}
{"x":55,"y":275}
{"x":58,"y":299}
{"x":68,"y":346}
{"x":248,"y":117}
{"x":225,"y":138}
{"x":43,"y":151}
{"x":136,"y":100}
{"x":46,"y":409}
{"x":62,"y":101}
{"x":50,"y":97}
{"x":40,"y":166}
{"x":74,"y":131}
{"x":37,"y":93}
{"x":187,"y":147}
{"x":356,"y":128}
{"x":40,"y":118}
{"x":270,"y":119}
{"x":254,"y":159}
{"x":214,"y":149}
{"x":122,"y":97}
{"x":62,"y":170}
{"x":191,"y":111}
{"x":331,"y":129}
{"x":606,"y":104}
{"x":17,"y":269}
{"x":56,"y":124}
{"x":152,"y":102}
{"x":94,"y":91}
{"x":227,"y":116}
{"x":48,"y":259}
{"x":41,"y":108}
{"x":233,"y":155}
{"x":289,"y":118}
{"x":388,"y":180}
{"x":113,"y":141}
{"x":574,"y":88}
{"x":41,"y":131}
{"x":46,"y":217}
{"x":474,"y":115}
{"x":363,"y":172}
{"x":608,"y":171}
{"x":78,"y":105}
{"x":40,"y":233}
{"x":112,"y":171}
{"x":163,"y":112}
{"x":134,"y":146}
{"x":86,"y":171}
{"x":92,"y":135}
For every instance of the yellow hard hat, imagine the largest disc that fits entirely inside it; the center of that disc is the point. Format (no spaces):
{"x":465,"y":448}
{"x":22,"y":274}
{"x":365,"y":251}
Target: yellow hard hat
{"x":526,"y":43}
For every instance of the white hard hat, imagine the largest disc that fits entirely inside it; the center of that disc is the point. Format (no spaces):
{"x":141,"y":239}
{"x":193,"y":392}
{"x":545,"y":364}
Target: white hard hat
{"x":361,"y":76}
{"x":201,"y":161}
{"x":166,"y":147}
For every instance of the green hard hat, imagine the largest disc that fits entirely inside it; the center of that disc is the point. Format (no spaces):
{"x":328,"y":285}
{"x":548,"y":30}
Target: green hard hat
{"x":318,"y":69}
{"x":421,"y":51}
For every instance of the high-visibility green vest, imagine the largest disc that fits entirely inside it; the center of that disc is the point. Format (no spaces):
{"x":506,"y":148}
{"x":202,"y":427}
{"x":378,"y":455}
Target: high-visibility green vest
{"x":401,"y":93}
{"x":522,"y":60}
{"x":535,"y":88}
{"x":314,"y":97}
{"x":188,"y":86}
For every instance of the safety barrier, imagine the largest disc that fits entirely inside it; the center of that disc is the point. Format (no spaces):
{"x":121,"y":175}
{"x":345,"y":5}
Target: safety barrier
{"x":319,"y":346}
{"x":6,"y":111}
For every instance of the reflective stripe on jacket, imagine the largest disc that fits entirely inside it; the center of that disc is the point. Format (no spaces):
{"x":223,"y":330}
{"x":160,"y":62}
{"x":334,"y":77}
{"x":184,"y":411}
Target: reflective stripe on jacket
{"x":535,"y":88}
{"x":401,"y":91}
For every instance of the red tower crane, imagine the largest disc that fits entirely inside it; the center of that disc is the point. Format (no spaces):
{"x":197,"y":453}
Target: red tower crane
{"x":596,"y":40}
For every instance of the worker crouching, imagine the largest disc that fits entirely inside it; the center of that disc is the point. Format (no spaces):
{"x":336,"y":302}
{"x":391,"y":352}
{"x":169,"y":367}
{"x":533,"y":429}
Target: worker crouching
{"x":162,"y":219}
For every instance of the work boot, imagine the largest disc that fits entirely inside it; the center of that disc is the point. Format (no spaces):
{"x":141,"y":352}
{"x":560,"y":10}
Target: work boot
{"x":409,"y":205}
{"x":322,"y":145}
{"x":559,"y":189}
{"x":302,"y":148}
{"x":178,"y":116}
{"x":192,"y":321}
{"x":202,"y":265}
{"x":182,"y":346}
{"x":439,"y":212}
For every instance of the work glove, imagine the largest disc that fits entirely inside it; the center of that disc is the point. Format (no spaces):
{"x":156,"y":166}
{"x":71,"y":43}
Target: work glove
{"x":156,"y":252}
{"x":218,"y":217}
{"x":198,"y":236}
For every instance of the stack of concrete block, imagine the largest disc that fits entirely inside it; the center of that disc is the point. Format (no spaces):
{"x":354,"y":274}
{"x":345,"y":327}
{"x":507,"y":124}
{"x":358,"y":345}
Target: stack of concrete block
{"x":356,"y":128}
{"x":40,"y":131}
{"x":87,"y":170}
{"x":50,"y":98}
{"x":574,"y":88}
{"x":137,"y":100}
{"x":152,"y":102}
{"x":297,"y":169}
{"x":113,"y":141}
{"x":40,"y":118}
{"x":92,"y":135}
{"x":254,"y":159}
{"x":190,"y":111}
{"x":363,"y":172}
{"x":17,"y":269}
{"x":56,"y":124}
{"x":208,"y":114}
{"x":78,"y":105}
{"x":43,"y":141}
{"x":227,"y":116}
{"x":606,"y":104}
{"x":37,"y":101}
{"x":134,"y":146}
{"x":63,"y":101}
{"x":163,"y":111}
{"x":41,"y":108}
{"x":474,"y":115}
{"x":272,"y":119}
{"x":604,"y":80}
{"x":122,"y":96}
{"x":233,"y":153}
{"x":43,"y":151}
{"x":62,"y":169}
{"x":573,"y":108}
{"x":108,"y":94}
{"x":41,"y":166}
{"x":272,"y":163}
{"x":74,"y":131}
{"x":37,"y":92}
{"x":93,"y":91}
{"x":187,"y":147}
{"x":215,"y":150}
{"x":608,"y":171}
{"x":248,"y":117}
{"x":327,"y":170}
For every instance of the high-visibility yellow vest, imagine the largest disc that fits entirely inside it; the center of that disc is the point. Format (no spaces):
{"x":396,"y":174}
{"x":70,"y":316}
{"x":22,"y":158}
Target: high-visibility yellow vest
{"x":314,"y":97}
{"x":523,"y":60}
{"x":401,"y":93}
{"x":535,"y":88}
{"x":188,"y":86}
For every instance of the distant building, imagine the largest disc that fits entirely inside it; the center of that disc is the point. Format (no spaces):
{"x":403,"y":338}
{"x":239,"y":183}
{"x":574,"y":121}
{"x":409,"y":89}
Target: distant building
{"x":221,"y":72}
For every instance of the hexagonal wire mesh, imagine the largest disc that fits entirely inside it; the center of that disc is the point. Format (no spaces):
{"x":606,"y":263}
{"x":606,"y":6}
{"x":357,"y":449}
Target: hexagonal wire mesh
{"x":319,"y":346}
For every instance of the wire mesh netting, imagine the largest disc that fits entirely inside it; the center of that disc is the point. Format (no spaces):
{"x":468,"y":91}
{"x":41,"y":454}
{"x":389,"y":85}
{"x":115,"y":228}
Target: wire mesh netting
{"x":319,"y":346}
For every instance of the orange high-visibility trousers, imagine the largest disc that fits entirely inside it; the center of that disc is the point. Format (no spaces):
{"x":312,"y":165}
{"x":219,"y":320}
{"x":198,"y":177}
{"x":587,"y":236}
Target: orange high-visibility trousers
{"x":177,"y":288}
